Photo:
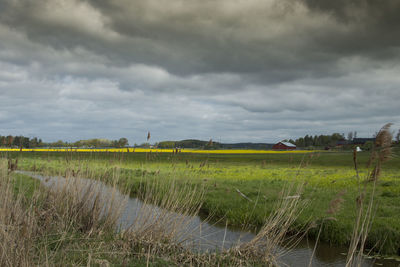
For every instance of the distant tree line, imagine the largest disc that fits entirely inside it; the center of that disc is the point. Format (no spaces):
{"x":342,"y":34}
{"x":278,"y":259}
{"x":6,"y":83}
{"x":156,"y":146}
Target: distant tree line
{"x":26,"y":142}
{"x":317,"y":140}
{"x":333,"y":140}
{"x":306,"y":141}
{"x":98,"y":143}
{"x":199,"y":144}
{"x":20,"y":141}
{"x":189,"y":143}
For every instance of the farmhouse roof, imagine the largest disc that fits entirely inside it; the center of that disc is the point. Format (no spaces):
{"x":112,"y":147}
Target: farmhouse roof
{"x":342,"y":142}
{"x":288,"y":144}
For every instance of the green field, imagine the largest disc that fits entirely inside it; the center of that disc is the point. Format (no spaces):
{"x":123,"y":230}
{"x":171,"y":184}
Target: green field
{"x":260,"y":177}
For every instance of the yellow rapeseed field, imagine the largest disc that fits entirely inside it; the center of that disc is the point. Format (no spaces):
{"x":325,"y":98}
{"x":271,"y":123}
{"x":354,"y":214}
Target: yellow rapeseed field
{"x":157,"y":150}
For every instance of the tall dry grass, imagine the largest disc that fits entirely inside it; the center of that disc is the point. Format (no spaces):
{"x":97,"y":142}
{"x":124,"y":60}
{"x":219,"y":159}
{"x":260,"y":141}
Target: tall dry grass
{"x":366,"y":198}
{"x":163,"y":228}
{"x":274,"y":239}
{"x":166,"y":210}
{"x":18,"y":225}
{"x":43,"y":228}
{"x":75,"y":221}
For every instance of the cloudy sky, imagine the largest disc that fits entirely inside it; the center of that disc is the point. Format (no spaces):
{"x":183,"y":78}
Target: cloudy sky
{"x":230,"y":70}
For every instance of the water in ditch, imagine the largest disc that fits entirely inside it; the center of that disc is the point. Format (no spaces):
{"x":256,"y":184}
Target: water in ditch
{"x":200,"y":235}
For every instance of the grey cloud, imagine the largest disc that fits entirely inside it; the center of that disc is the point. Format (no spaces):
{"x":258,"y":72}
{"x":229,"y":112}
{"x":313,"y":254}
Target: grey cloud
{"x":249,"y":70}
{"x":384,"y":13}
{"x":271,"y":41}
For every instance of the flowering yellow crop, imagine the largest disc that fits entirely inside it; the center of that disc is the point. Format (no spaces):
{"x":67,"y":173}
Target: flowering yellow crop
{"x":157,"y":150}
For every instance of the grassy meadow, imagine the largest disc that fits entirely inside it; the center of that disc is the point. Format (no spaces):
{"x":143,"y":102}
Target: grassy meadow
{"x":75,"y":221}
{"x":241,"y":190}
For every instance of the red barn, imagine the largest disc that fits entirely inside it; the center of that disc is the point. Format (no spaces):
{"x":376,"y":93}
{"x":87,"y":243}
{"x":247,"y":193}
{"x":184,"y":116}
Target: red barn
{"x":284,"y":146}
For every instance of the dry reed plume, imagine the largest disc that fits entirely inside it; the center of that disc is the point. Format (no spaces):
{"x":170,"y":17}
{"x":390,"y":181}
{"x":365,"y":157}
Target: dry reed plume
{"x":381,"y":152}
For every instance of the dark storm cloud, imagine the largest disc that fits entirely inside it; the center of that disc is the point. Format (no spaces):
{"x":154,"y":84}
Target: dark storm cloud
{"x":263,"y":35}
{"x":269,"y":40}
{"x":243,"y":70}
{"x":383,"y":13}
{"x":375,"y":24}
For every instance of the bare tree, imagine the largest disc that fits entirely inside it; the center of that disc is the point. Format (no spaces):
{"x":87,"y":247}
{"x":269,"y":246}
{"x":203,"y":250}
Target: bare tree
{"x":350,"y":136}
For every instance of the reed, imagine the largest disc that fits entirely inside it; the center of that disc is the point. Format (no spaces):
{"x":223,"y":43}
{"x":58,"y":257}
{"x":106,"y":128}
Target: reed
{"x":274,"y":239}
{"x":42,"y":229}
{"x":18,"y":226}
{"x":365,"y":200}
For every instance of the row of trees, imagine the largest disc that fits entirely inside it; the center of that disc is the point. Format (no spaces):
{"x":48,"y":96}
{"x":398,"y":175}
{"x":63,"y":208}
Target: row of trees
{"x":306,"y":141}
{"x":330,"y":140}
{"x":122,"y":142}
{"x":317,"y":140}
{"x":20,"y":141}
{"x":189,"y":143}
{"x":26,"y":142}
{"x":193,"y":143}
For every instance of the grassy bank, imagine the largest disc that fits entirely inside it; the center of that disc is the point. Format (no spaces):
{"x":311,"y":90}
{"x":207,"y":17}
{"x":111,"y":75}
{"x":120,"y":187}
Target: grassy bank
{"x":74,"y":223}
{"x":259,"y":177}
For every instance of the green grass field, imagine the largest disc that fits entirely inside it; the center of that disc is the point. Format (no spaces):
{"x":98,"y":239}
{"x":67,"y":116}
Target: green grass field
{"x":260,"y":177}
